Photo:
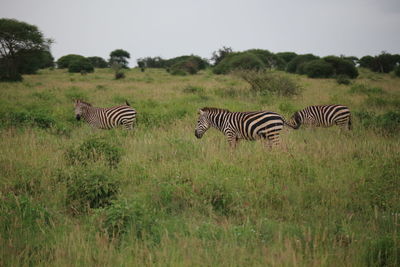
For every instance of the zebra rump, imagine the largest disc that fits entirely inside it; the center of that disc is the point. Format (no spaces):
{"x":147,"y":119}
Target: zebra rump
{"x":321,"y":116}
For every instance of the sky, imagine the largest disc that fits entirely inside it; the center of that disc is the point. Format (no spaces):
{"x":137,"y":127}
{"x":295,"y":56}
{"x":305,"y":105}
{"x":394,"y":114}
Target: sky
{"x":150,"y":28}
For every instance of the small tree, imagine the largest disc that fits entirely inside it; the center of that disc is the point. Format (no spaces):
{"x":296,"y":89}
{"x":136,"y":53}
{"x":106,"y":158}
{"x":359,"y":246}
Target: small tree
{"x":98,"y":62}
{"x":64,"y":61}
{"x":218,"y":56}
{"x":17,"y":37}
{"x":81,"y":65}
{"x":318,"y":68}
{"x":120,"y":57}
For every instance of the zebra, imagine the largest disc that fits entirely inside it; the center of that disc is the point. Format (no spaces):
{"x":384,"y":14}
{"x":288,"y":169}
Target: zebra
{"x":322,"y":116}
{"x":105,"y":118}
{"x":254,"y":125}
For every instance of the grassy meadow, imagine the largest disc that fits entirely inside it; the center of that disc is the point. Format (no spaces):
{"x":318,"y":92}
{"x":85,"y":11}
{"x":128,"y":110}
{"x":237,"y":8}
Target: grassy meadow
{"x":71,"y":195}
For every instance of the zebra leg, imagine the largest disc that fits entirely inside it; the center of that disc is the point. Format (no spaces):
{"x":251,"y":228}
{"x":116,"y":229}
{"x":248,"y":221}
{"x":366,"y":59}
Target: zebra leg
{"x":232,"y":140}
{"x":274,"y":140}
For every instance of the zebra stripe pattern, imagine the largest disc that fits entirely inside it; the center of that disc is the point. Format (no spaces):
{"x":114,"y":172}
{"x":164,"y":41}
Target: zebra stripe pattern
{"x":106,"y":118}
{"x":322,"y":116}
{"x":264,"y":125}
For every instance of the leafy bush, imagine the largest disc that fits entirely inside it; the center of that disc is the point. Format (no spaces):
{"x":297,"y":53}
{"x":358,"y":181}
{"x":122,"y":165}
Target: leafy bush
{"x":269,"y":82}
{"x":185,"y":65}
{"x":387,"y":123}
{"x":120,"y":57}
{"x":237,"y":61}
{"x":38,"y":117}
{"x":342,"y":66}
{"x":80,"y":65}
{"x":397,"y":71}
{"x":269,"y":59}
{"x":94,"y":150}
{"x":119,"y":75}
{"x":98,"y":62}
{"x":296,"y":65}
{"x":343,"y":79}
{"x":64,"y":61}
{"x":124,"y":216}
{"x":90,"y":189}
{"x":318,"y":68}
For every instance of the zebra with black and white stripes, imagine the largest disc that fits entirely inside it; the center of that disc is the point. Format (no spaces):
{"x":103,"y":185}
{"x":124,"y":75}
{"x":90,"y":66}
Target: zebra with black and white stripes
{"x":106,"y":118}
{"x":255,"y":125}
{"x":322,"y":116}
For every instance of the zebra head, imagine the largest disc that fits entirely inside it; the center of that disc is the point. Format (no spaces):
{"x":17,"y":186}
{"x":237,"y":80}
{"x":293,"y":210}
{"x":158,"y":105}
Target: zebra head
{"x":295,"y":121}
{"x":80,"y":108}
{"x":203,"y":124}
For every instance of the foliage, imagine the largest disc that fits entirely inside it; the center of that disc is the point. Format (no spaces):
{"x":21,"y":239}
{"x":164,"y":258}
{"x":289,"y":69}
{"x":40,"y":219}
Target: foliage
{"x":387,"y":124}
{"x":90,"y":189}
{"x":266,"y":82}
{"x":343,"y":79}
{"x":270,"y":60}
{"x":342,"y":66}
{"x":366,"y":61}
{"x":32,"y":60}
{"x":98,"y":62}
{"x":383,"y":251}
{"x":218,"y":56}
{"x":120,"y":57}
{"x":237,"y":61}
{"x":65,"y":61}
{"x":18,"y":41}
{"x":80,"y":65}
{"x":296,"y":65}
{"x":383,"y":63}
{"x":149,"y":62}
{"x":318,"y":68}
{"x":397,"y":71}
{"x":185,"y":65}
{"x":93,"y":150}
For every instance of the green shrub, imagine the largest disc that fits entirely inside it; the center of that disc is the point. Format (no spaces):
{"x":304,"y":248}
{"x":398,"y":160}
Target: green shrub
{"x":266,"y":82}
{"x":238,"y":61}
{"x":296,"y":65}
{"x":90,"y":189}
{"x":65,"y":61}
{"x":387,"y":123}
{"x":397,"y":70}
{"x":80,"y":65}
{"x":94,"y":150}
{"x":119,"y":75}
{"x":37,"y":117}
{"x":342,"y":66}
{"x":318,"y":68}
{"x":124,"y":216}
{"x":343,"y":79}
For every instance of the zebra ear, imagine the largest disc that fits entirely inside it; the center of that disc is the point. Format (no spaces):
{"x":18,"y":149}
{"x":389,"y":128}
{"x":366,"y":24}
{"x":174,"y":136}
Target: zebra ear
{"x":200,"y":112}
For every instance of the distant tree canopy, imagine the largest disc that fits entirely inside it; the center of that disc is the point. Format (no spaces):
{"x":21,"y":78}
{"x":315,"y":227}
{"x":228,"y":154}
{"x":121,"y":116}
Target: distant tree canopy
{"x":383,"y":63}
{"x":23,"y":49}
{"x":64,"y":61}
{"x":119,"y":57}
{"x":218,"y":56}
{"x":82,"y":65}
{"x":98,"y":62}
{"x":151,"y":62}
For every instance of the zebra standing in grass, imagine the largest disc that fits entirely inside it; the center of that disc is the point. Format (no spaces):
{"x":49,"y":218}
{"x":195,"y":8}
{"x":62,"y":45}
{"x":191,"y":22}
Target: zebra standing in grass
{"x":106,"y":118}
{"x":264,"y":125}
{"x":322,"y":116}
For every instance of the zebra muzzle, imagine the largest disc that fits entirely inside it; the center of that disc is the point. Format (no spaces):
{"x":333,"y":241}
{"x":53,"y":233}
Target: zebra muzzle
{"x":197,"y":134}
{"x":78,"y":117}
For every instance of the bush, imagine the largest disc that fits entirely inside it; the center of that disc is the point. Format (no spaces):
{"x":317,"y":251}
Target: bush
{"x":98,"y":62}
{"x":342,"y":66}
{"x":119,"y":75}
{"x":237,"y":61}
{"x":124,"y":216}
{"x":296,"y":65}
{"x":185,"y":65}
{"x":64,"y":61}
{"x":90,"y":189}
{"x":94,"y":150}
{"x":343,"y":79}
{"x":266,"y":82}
{"x":387,"y":123}
{"x":318,"y":68}
{"x":397,"y":71}
{"x":80,"y":65}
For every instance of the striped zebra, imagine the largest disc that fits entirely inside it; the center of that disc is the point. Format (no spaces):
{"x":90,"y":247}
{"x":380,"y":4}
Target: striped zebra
{"x":322,"y":116}
{"x":106,"y":118}
{"x":255,"y":125}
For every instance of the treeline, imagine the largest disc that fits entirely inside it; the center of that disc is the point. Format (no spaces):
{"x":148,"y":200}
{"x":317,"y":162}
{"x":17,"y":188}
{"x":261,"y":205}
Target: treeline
{"x":24,"y":50}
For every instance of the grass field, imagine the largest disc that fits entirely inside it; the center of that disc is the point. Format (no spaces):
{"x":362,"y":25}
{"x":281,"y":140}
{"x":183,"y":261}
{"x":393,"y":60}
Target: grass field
{"x":72,"y":195}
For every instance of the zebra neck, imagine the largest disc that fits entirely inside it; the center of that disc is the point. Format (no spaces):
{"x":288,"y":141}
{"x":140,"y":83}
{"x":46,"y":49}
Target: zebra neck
{"x":218,"y":121}
{"x":88,"y":113}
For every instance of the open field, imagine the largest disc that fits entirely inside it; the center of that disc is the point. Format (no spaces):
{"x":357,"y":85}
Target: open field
{"x":162,"y":197}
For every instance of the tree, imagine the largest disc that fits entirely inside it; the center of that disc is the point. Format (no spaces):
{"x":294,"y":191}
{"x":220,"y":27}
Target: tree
{"x":119,"y":57}
{"x":31,"y":60}
{"x":81,"y":65}
{"x":218,"y":56}
{"x":16,"y":39}
{"x":98,"y":62}
{"x":64,"y":61}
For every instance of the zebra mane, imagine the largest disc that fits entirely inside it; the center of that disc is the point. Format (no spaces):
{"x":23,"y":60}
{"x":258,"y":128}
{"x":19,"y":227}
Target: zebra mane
{"x":205,"y":109}
{"x":83,"y":102}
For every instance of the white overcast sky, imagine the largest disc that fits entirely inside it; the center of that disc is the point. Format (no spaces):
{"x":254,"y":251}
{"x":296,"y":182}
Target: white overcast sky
{"x":173,"y":28}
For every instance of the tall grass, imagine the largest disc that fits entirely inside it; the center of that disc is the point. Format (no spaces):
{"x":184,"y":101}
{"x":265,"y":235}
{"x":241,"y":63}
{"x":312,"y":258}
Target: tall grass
{"x":325,"y":198}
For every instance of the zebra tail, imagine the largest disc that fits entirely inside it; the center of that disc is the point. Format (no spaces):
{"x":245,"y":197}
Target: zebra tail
{"x":127,"y":103}
{"x":350,"y":124}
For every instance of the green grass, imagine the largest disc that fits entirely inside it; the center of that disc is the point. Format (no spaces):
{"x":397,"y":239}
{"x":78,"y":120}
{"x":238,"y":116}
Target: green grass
{"x":325,"y":198}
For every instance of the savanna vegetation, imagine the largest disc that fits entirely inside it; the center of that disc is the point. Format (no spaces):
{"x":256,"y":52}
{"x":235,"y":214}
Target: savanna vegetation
{"x":73,"y":195}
